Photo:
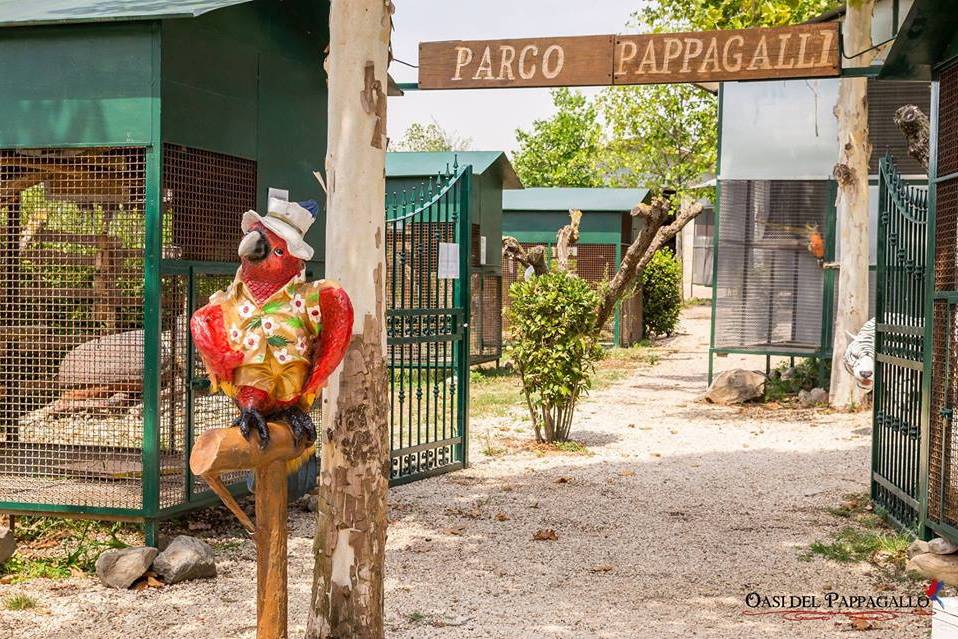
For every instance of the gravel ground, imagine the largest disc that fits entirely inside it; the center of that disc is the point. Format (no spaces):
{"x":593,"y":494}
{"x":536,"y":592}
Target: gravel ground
{"x":677,"y":510}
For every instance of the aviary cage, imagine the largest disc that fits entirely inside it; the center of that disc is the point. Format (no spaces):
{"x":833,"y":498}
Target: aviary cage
{"x":118,"y":218}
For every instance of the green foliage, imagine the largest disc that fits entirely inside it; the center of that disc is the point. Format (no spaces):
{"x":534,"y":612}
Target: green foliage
{"x":704,"y":15}
{"x":659,"y":136}
{"x":805,"y":375}
{"x":661,"y":294}
{"x":77,"y":546}
{"x":561,"y":150}
{"x":431,"y":137}
{"x":555,"y":347}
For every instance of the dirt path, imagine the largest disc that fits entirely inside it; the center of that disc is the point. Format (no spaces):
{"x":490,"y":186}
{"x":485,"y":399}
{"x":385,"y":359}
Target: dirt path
{"x":677,"y":511}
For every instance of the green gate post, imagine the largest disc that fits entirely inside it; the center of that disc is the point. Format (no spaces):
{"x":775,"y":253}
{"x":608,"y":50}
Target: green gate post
{"x":465,"y":302}
{"x":828,"y":284}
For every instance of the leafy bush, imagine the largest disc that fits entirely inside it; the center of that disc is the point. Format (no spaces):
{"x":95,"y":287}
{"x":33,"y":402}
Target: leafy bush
{"x":555,"y":347}
{"x":786,"y":381}
{"x":661,"y":294}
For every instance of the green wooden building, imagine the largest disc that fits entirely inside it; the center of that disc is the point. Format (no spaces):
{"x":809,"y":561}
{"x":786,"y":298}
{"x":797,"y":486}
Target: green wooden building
{"x":414,"y":176}
{"x":133,"y":135}
{"x":534,"y":215}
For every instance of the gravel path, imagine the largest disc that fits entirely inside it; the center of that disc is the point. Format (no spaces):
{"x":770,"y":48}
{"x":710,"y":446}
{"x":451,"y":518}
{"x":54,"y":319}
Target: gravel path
{"x":677,"y":510}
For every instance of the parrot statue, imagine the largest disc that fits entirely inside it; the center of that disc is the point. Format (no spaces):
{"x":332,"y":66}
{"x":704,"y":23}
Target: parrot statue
{"x":271,"y":339}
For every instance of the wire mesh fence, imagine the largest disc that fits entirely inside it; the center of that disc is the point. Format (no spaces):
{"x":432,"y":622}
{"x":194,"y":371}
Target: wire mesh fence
{"x":71,"y":329}
{"x":769,"y":281}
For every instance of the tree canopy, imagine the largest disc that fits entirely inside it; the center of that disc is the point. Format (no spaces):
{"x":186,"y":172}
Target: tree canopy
{"x":655,"y":136}
{"x":431,"y":137}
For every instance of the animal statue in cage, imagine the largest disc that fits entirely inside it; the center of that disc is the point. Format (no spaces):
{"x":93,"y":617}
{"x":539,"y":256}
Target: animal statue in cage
{"x":859,"y":355}
{"x":271,"y":339}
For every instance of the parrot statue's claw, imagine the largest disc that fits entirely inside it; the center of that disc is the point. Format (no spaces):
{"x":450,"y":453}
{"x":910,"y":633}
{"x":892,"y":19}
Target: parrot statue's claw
{"x":250,"y":419}
{"x":300,"y":423}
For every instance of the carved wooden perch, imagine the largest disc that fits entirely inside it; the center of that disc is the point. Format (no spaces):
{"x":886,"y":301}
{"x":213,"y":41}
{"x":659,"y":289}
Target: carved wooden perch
{"x":225,"y":450}
{"x":914,"y":126}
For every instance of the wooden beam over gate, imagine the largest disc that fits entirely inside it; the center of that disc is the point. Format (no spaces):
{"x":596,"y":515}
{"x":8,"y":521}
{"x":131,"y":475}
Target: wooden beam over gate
{"x":798,"y":51}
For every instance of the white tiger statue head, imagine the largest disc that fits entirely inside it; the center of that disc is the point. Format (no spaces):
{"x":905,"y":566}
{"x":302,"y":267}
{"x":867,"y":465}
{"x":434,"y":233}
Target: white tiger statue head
{"x":859,"y":357}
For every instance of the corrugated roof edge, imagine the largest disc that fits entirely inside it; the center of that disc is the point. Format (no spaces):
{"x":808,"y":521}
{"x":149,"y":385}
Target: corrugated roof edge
{"x":132,"y":16}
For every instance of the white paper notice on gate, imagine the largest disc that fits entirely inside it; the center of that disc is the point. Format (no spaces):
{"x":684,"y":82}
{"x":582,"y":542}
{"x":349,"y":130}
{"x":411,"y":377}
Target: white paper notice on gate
{"x":448,"y":261}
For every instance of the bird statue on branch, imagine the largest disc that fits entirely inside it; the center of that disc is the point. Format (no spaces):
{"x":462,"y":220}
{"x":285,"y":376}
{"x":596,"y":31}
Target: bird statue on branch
{"x":271,"y":339}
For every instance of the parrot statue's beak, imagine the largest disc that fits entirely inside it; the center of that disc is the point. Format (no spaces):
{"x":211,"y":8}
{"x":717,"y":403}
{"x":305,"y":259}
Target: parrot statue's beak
{"x":253,"y":246}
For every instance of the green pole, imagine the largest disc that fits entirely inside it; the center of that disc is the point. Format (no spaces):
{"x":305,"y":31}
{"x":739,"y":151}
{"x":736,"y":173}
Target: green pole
{"x":464,"y":302}
{"x":153,"y":238}
{"x":717,"y":217}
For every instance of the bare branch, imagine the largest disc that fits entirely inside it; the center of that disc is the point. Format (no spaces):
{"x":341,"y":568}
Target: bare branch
{"x":914,"y":126}
{"x":566,"y":238}
{"x":653,"y":236}
{"x":534,"y":257}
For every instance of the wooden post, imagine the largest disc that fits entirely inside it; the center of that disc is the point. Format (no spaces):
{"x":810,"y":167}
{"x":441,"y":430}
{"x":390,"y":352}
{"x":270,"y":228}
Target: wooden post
{"x":851,"y":173}
{"x":347,"y":598}
{"x":224,"y":450}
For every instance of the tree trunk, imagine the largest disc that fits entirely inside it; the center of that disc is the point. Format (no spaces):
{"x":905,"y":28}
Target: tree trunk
{"x":566,"y":238}
{"x":851,"y":172}
{"x":347,"y":598}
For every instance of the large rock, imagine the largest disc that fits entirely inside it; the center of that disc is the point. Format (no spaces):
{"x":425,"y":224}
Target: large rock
{"x":941,"y":546}
{"x":812,"y":398}
{"x":185,"y":558}
{"x":944,"y":568}
{"x":8,"y":544}
{"x":917,"y":547}
{"x":736,"y":386}
{"x":120,"y":568}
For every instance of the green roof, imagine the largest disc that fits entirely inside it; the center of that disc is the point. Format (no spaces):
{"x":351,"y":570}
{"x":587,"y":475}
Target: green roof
{"x":563,"y":199}
{"x":926,"y":38}
{"x":28,"y":12}
{"x":415,"y":164}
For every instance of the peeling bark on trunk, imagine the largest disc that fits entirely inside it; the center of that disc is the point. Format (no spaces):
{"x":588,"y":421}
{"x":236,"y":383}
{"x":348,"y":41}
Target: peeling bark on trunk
{"x":914,"y":125}
{"x":851,"y":173}
{"x":347,"y":598}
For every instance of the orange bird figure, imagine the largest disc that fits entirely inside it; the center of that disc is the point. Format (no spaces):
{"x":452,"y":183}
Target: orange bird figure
{"x":271,"y":339}
{"x":816,"y":243}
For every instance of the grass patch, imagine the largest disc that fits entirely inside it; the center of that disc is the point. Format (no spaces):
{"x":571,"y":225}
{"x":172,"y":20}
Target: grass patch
{"x":415,"y":617}
{"x":571,"y":447}
{"x":56,"y":548}
{"x":865,"y":537}
{"x":787,"y":381}
{"x":19,"y":602}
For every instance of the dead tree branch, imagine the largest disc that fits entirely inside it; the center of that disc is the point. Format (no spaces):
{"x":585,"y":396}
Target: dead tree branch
{"x":566,"y":238}
{"x":653,"y":236}
{"x":534,"y":257}
{"x":914,"y":126}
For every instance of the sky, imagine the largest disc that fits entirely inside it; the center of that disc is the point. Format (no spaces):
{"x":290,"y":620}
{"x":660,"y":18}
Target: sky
{"x":488,"y":116}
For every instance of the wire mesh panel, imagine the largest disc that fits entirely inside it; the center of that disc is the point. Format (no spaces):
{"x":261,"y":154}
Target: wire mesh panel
{"x":769,"y":285}
{"x":486,"y":333}
{"x":942,"y":471}
{"x":427,"y":325}
{"x":71,"y":328}
{"x":899,"y":345}
{"x":204,"y":197}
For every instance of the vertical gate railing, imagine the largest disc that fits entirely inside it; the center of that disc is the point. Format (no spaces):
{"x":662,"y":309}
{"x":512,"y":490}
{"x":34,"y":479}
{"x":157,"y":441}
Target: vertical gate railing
{"x":427,"y":325}
{"x":899,"y":346}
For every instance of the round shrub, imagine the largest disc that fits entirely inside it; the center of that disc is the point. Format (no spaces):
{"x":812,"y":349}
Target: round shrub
{"x":661,"y":294}
{"x":554,"y":347}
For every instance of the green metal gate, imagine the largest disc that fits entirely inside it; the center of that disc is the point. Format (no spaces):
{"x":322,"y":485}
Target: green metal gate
{"x":899,"y":346}
{"x":427,"y":325}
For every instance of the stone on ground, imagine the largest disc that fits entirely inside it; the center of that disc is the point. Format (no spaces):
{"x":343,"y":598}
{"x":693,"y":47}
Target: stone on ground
{"x":941,"y":546}
{"x":185,"y":558}
{"x":736,"y":386}
{"x":121,"y":567}
{"x":812,"y":398}
{"x":917,"y":547}
{"x":8,"y":544}
{"x":944,"y":568}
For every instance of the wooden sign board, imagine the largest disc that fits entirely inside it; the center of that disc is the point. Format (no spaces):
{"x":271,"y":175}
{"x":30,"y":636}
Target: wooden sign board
{"x":799,"y":51}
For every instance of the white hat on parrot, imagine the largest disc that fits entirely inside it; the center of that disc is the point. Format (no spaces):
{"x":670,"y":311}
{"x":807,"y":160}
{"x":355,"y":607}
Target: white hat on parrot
{"x":289,"y":220}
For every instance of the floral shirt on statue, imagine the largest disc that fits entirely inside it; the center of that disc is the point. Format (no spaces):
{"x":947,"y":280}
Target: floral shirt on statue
{"x":275,"y":337}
